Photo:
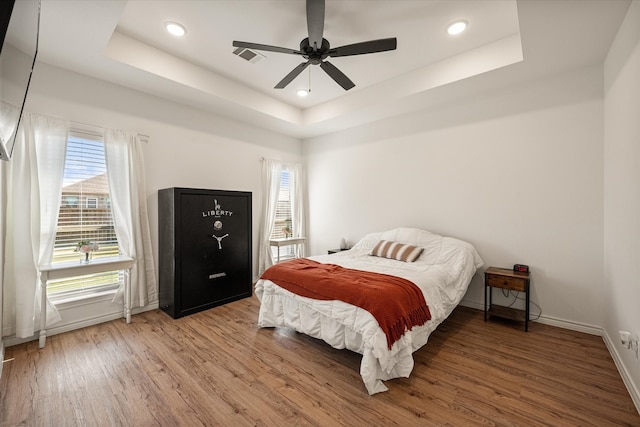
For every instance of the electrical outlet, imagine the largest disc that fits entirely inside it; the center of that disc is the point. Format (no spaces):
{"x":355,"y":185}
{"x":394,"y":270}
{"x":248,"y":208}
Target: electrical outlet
{"x":625,"y":339}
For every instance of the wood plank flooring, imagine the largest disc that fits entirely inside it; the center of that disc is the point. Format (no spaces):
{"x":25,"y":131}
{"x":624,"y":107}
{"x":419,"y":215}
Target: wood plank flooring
{"x":218,"y":368}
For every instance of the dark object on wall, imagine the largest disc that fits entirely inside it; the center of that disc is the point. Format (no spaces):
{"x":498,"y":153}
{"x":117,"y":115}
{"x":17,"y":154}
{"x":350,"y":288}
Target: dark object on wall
{"x":19,"y":35}
{"x":204,"y":248}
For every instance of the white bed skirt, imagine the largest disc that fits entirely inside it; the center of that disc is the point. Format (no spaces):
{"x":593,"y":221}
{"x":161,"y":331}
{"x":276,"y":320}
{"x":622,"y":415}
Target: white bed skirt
{"x":281,"y":308}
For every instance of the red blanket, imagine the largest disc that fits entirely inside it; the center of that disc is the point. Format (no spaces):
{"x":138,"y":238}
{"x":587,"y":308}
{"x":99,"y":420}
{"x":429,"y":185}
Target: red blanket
{"x":396,"y":303}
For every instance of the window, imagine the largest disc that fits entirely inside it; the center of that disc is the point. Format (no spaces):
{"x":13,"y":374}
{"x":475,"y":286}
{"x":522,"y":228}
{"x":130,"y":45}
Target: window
{"x":70,"y":201}
{"x":82,"y":218}
{"x":92,"y":203}
{"x":283,"y":224}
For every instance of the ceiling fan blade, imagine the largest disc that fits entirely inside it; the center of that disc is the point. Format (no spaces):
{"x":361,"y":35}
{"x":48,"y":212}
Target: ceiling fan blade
{"x":371,"y":46}
{"x":315,"y":22}
{"x":266,"y":47}
{"x":337,"y":75}
{"x":292,"y":75}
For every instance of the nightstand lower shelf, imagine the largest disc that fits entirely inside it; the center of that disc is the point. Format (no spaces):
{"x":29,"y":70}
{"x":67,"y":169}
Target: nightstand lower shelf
{"x":507,"y":313}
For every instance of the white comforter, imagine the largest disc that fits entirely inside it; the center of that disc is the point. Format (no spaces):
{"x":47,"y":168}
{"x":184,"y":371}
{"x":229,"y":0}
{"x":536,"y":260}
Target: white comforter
{"x":442,"y":272}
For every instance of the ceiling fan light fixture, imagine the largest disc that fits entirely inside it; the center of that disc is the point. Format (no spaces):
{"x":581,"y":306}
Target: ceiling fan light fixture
{"x":457,"y":27}
{"x":175,"y":29}
{"x":302,"y":92}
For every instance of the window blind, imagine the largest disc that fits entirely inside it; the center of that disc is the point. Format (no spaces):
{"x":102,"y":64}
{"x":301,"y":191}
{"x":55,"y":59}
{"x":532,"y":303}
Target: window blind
{"x":282,"y":225}
{"x":85,"y":213}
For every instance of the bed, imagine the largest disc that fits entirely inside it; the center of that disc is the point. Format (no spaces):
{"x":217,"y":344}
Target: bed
{"x":442,"y":272}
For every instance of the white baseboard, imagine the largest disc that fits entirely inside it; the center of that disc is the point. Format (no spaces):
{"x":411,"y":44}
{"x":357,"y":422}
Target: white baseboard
{"x":472,"y":304}
{"x":81,"y":323}
{"x":573,"y":326}
{"x":632,"y":388}
{"x":547,"y":320}
{"x":624,"y":373}
{"x":11,"y":341}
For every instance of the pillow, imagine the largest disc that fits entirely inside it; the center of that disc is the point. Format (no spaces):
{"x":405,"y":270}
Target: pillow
{"x":395,"y":250}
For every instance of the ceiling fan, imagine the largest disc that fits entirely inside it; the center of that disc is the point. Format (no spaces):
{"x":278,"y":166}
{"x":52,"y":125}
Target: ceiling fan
{"x":316,"y":49}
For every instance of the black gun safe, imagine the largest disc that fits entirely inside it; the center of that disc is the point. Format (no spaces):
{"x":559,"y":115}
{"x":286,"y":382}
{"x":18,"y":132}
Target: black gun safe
{"x":204,"y":248}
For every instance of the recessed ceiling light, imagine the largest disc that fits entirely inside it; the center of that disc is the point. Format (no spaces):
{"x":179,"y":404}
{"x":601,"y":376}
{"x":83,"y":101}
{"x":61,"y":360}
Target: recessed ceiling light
{"x":175,"y":29}
{"x":457,"y":27}
{"x":302,"y":92}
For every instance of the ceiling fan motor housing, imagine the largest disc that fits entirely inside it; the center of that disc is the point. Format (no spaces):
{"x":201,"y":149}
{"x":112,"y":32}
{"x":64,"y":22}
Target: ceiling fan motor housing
{"x":315,"y":56}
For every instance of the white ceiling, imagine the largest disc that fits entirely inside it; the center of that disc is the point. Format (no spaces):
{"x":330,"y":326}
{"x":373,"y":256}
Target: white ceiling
{"x":420,"y":27}
{"x":124,"y":42}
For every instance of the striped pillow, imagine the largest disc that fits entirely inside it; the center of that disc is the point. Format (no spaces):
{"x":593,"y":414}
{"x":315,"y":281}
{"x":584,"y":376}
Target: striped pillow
{"x":395,"y":250}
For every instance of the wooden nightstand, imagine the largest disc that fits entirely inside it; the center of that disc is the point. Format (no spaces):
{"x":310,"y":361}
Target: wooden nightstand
{"x":505,"y":278}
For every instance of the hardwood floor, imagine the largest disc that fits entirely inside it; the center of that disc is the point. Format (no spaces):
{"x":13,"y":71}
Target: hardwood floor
{"x":218,"y":368}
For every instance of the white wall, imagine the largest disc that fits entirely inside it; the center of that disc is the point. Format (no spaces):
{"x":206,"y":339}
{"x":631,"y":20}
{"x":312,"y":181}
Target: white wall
{"x":622,"y":194}
{"x":517,"y":172}
{"x":187,"y":148}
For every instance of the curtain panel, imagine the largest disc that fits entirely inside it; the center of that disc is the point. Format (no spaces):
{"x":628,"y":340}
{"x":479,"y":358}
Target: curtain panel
{"x":125,"y":170}
{"x":271,"y":179}
{"x":33,"y":180}
{"x":271,"y":172}
{"x":33,"y":185}
{"x":298,"y":203}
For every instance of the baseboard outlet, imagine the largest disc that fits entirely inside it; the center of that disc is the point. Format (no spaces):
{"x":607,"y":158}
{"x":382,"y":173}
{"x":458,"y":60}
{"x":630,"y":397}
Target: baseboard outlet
{"x":624,"y":373}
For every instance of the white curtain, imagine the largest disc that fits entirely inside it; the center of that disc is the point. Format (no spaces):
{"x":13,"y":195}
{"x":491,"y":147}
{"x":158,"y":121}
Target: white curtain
{"x":125,"y":170}
{"x":271,"y":173}
{"x":271,"y":178}
{"x":34,"y":184}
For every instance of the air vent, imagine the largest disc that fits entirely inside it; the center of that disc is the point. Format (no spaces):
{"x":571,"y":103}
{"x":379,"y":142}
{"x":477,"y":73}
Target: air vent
{"x":248,"y":54}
